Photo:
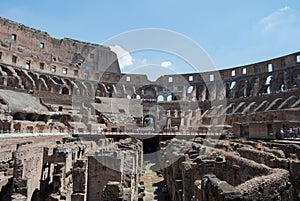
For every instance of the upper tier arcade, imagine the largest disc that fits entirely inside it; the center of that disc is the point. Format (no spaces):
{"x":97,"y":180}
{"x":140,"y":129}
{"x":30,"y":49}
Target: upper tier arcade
{"x":35,"y":50}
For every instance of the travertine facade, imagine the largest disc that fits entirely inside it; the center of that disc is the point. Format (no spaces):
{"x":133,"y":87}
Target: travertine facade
{"x":53,"y":88}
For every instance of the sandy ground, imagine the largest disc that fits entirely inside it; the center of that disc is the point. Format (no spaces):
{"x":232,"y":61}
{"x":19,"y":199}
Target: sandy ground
{"x":154,"y":185}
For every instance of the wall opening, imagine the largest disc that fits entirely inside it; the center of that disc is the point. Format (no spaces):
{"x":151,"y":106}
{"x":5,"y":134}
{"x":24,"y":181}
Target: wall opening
{"x":298,"y":58}
{"x":150,"y":145}
{"x":211,"y":77}
{"x":0,"y":55}
{"x":232,"y":85}
{"x":270,"y":67}
{"x":75,"y":72}
{"x":127,"y":78}
{"x":60,"y":108}
{"x":191,"y":78}
{"x":13,"y":37}
{"x":233,"y":73}
{"x":268,"y":80}
{"x":244,"y":71}
{"x":160,"y":98}
{"x":42,"y":66}
{"x":169,"y":98}
{"x":149,"y":121}
{"x":42,"y":45}
{"x":27,"y":65}
{"x":190,"y":89}
{"x":14,"y":59}
{"x":65,"y":71}
{"x":65,"y":91}
{"x":170,"y":79}
{"x":53,"y":69}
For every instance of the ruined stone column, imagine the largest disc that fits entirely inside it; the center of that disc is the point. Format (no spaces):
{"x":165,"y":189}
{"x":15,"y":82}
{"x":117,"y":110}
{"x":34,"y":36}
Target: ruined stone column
{"x":79,"y":181}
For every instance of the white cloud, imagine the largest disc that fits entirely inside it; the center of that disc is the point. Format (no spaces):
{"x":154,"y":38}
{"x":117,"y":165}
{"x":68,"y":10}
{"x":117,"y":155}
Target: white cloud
{"x":275,"y":19}
{"x":166,"y":64}
{"x":124,"y":57}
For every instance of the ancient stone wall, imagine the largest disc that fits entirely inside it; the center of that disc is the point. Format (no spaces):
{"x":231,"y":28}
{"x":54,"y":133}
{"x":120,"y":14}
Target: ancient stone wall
{"x":241,"y":167}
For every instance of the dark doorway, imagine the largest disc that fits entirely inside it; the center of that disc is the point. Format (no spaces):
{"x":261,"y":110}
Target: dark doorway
{"x":150,"y":145}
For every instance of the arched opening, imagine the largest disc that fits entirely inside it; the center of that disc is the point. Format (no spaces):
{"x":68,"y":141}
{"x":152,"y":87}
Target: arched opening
{"x":177,"y":97}
{"x":138,"y":97}
{"x":169,"y":98}
{"x":149,"y":93}
{"x":101,"y":90}
{"x":282,"y":87}
{"x":268,"y":84}
{"x":65,"y":91}
{"x":43,"y":118}
{"x":19,"y":116}
{"x":160,"y":98}
{"x":32,"y":117}
{"x":149,"y":121}
{"x":150,"y":145}
{"x":232,"y":85}
{"x":57,"y":80}
{"x":268,"y":80}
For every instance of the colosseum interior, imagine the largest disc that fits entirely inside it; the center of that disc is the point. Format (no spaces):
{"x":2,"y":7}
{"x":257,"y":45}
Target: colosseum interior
{"x":74,"y":127}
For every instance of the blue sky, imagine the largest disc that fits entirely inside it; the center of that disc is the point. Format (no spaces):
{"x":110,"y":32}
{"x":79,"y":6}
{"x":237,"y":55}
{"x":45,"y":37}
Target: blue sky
{"x":232,"y":32}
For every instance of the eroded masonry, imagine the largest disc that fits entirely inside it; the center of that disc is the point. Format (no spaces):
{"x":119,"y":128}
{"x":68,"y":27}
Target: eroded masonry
{"x":74,"y":127}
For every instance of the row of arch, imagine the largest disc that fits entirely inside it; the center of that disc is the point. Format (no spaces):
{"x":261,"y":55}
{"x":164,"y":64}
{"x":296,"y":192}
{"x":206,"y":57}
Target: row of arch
{"x":263,"y":84}
{"x":245,"y":87}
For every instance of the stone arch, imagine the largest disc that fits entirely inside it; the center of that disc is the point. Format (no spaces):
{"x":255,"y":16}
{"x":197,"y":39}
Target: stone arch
{"x":57,"y":80}
{"x":19,"y":116}
{"x":160,"y":98}
{"x":44,"y":77}
{"x":10,"y":77}
{"x":34,"y":76}
{"x":41,"y":85}
{"x":295,"y":76}
{"x":28,"y":63}
{"x":26,"y":79}
{"x":54,"y":86}
{"x":169,"y":97}
{"x":149,"y":121}
{"x":255,"y":86}
{"x":65,"y":90}
{"x":32,"y":116}
{"x":101,"y":90}
{"x":242,"y":88}
{"x":176,"y":97}
{"x":110,"y":91}
{"x":82,"y":87}
{"x":279,"y":84}
{"x":275,"y":104}
{"x":263,"y":106}
{"x":8,"y":71}
{"x":68,"y":82}
{"x":211,"y":92}
{"x":201,"y":92}
{"x":149,"y":92}
{"x":90,"y":88}
{"x":288,"y":102}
